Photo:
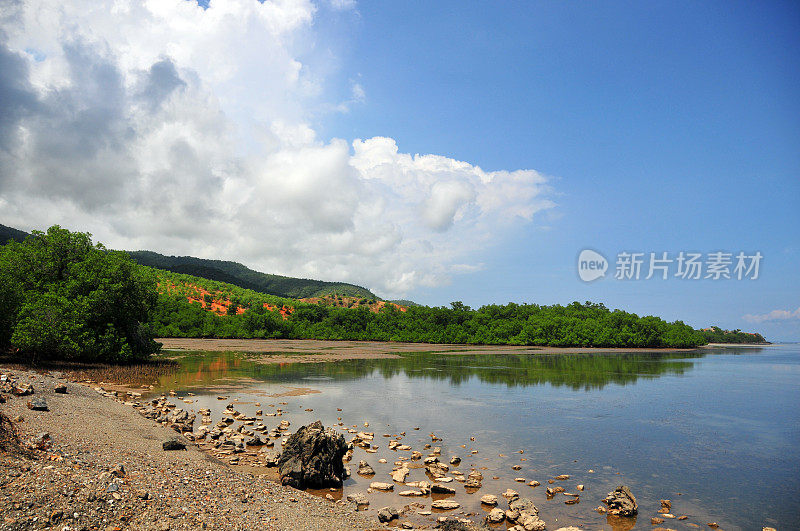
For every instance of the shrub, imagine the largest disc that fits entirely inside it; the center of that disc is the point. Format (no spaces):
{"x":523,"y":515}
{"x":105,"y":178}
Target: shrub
{"x":64,"y":297}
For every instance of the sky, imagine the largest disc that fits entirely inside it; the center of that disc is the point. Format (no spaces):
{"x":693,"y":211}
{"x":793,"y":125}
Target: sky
{"x":432,"y":151}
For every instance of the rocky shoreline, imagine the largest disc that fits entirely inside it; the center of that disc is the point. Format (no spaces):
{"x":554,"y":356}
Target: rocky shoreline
{"x":95,"y":457}
{"x":103,"y":466}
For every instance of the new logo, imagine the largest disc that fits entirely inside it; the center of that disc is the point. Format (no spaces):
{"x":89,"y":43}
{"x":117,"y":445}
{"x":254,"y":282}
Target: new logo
{"x":591,"y":265}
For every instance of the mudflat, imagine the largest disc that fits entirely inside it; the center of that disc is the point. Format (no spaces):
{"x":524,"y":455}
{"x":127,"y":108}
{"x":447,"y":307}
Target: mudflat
{"x":313,"y":350}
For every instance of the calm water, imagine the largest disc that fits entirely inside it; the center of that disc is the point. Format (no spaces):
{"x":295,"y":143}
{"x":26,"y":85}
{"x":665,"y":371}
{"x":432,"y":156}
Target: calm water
{"x":717,"y":431}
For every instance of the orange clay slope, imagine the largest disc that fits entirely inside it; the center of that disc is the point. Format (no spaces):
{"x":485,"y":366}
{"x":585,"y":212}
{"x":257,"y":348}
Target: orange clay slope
{"x":216,"y":297}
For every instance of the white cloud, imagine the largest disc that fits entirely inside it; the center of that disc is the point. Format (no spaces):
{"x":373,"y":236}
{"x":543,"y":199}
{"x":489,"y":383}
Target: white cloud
{"x":160,"y":125}
{"x":359,"y":95}
{"x":774,"y":315}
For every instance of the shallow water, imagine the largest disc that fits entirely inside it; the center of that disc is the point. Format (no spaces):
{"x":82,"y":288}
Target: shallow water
{"x":717,"y":431}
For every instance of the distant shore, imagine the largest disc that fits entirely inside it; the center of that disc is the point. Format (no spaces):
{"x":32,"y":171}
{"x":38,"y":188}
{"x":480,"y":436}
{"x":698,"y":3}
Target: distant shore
{"x":736,"y":345}
{"x":313,"y":350}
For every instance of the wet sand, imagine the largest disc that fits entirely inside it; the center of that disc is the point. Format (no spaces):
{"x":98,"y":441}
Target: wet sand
{"x":313,"y":351}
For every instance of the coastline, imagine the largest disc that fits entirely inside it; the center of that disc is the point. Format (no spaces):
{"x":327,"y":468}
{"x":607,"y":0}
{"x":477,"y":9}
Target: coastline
{"x":315,"y":350}
{"x":712,"y":345}
{"x":76,"y":483}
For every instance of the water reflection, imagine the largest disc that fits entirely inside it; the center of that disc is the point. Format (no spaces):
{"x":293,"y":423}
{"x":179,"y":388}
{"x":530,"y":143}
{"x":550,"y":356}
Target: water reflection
{"x":576,"y":371}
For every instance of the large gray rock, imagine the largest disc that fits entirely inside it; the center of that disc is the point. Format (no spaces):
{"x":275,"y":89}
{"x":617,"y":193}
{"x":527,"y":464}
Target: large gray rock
{"x":312,"y":457}
{"x":621,"y":502}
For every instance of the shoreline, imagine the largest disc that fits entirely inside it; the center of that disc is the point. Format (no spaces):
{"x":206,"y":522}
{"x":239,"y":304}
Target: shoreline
{"x":317,"y":350}
{"x":77,"y":483}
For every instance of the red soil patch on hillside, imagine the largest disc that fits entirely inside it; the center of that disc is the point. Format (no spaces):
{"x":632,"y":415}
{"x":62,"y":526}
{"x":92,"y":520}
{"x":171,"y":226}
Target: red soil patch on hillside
{"x":352,"y":302}
{"x":219,"y":301}
{"x":196,"y":294}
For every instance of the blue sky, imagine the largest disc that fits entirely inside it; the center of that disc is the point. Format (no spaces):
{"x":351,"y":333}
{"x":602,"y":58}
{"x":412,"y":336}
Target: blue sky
{"x":435,"y":151}
{"x":667,"y":126}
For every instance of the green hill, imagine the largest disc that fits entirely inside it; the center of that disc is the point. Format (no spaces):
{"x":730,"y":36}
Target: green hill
{"x":244,"y":277}
{"x":9,"y":233}
{"x":231,"y":273}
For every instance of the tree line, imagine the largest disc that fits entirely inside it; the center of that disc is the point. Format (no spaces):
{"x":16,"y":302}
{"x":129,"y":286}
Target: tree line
{"x":63,"y":296}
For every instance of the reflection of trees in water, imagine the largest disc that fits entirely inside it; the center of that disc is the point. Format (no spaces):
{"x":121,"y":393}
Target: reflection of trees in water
{"x":578,"y":371}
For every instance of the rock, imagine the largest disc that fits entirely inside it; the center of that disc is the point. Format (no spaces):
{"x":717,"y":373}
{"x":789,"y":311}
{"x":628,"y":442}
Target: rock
{"x":437,"y":470}
{"x":445,"y":505}
{"x":411,"y":492}
{"x":531,"y":522}
{"x":535,"y":483}
{"x":312,"y":457}
{"x":364,"y":469}
{"x":387,"y":514}
{"x":23,"y":389}
{"x":621,"y":502}
{"x":61,"y":389}
{"x":173,"y":444}
{"x":359,"y":498}
{"x":570,"y":528}
{"x":666,"y":504}
{"x":580,"y":487}
{"x":510,"y":494}
{"x":522,"y":505}
{"x":271,"y":459}
{"x":400,"y":474}
{"x":118,"y":471}
{"x":562,"y":477}
{"x":489,"y":499}
{"x":38,"y":404}
{"x":455,"y":460}
{"x":436,"y":488}
{"x":379,"y":485}
{"x":519,"y":480}
{"x":496,"y":516}
{"x":656,"y":521}
{"x":41,"y":441}
{"x":255,"y":441}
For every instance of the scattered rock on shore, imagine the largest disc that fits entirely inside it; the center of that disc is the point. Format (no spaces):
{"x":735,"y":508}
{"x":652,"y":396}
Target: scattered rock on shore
{"x":173,"y":444}
{"x":38,"y":404}
{"x":489,"y":499}
{"x":387,"y":514}
{"x":621,"y":502}
{"x":445,"y":505}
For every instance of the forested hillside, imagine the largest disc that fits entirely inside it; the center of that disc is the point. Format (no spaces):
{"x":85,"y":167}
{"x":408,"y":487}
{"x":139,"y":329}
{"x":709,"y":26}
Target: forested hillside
{"x":8,"y":234}
{"x":254,"y":315}
{"x":244,"y":277}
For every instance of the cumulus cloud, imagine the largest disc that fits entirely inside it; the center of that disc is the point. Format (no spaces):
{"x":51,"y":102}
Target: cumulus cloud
{"x":166,"y":126}
{"x":774,"y":315}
